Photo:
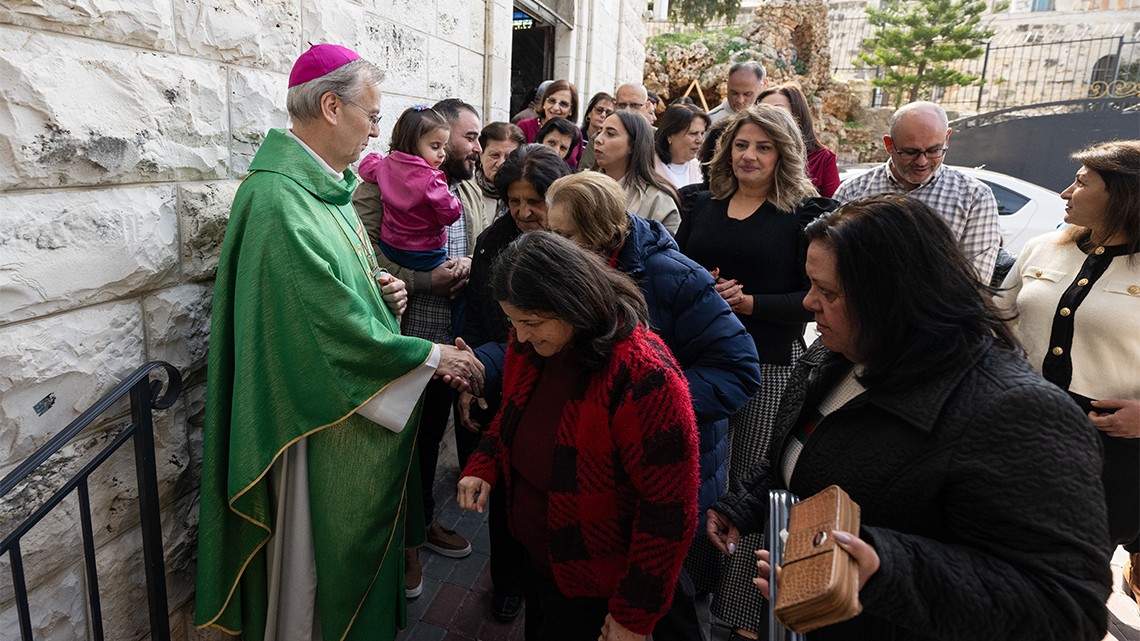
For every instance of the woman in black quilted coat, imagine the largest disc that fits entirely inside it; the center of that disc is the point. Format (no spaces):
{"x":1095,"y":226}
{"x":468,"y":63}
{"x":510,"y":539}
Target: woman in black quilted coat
{"x":979,"y":483}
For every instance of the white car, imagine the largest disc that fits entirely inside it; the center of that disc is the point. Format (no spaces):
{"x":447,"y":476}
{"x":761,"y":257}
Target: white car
{"x":1025,"y":210}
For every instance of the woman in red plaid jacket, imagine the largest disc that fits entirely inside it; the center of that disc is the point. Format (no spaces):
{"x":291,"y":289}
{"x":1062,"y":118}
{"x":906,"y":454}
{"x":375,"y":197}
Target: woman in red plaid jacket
{"x":596,"y":444}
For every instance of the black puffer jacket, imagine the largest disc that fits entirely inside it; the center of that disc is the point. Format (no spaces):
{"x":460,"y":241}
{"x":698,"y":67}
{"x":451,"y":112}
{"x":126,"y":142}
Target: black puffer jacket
{"x":980,"y":490}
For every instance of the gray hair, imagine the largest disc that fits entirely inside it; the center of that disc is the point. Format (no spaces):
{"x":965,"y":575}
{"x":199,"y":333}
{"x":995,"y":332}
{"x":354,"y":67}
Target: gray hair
{"x":751,"y":66}
{"x":541,"y":88}
{"x":919,"y":108}
{"x":347,"y":81}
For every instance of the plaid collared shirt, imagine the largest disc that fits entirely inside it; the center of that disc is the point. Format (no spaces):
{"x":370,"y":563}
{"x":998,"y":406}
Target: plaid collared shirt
{"x":429,"y":316}
{"x":965,"y":203}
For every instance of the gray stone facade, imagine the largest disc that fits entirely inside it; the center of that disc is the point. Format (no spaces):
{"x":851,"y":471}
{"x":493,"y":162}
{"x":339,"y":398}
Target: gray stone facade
{"x":125,"y":128}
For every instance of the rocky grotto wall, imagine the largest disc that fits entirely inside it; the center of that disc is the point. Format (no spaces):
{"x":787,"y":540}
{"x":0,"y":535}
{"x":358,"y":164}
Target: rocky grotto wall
{"x":790,"y":38}
{"x":125,"y":128}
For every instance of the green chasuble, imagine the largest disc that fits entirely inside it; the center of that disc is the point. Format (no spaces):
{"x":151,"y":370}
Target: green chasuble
{"x":299,"y":340}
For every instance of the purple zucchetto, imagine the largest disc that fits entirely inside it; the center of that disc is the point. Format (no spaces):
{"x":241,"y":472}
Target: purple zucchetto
{"x":319,"y":60}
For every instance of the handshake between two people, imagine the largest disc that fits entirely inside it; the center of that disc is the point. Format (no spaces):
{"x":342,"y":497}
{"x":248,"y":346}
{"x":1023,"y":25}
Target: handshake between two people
{"x":458,"y":365}
{"x":460,"y":368}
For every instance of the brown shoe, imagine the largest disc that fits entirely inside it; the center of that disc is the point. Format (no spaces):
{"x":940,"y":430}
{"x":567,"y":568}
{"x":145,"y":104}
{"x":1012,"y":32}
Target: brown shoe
{"x":1132,"y":575}
{"x":446,"y":542}
{"x":413,"y":573}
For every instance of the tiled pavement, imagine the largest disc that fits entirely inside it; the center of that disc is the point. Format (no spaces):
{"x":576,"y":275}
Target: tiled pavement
{"x":456,"y":601}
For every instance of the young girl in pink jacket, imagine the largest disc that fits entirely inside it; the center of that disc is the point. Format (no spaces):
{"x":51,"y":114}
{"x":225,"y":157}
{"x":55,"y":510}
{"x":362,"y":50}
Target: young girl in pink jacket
{"x":418,"y":207}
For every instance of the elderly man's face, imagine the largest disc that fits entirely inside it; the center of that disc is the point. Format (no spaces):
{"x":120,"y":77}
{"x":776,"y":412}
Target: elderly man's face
{"x":743,"y":88}
{"x":354,"y":126}
{"x":463,"y":148}
{"x":918,"y":132}
{"x":629,"y":98}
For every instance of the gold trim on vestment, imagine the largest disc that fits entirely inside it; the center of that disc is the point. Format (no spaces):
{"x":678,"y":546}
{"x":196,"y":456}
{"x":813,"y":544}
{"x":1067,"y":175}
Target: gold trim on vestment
{"x":366,"y":245}
{"x":386,"y":548}
{"x":257,"y":480}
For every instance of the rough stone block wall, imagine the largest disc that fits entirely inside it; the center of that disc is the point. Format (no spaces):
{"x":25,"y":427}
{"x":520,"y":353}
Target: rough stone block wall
{"x":125,"y":128}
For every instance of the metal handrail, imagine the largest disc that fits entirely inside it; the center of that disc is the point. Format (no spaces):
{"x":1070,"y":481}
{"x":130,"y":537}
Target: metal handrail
{"x":144,"y":395}
{"x":979,"y":120}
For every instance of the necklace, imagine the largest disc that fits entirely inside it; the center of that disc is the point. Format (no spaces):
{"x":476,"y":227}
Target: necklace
{"x":363,"y":250}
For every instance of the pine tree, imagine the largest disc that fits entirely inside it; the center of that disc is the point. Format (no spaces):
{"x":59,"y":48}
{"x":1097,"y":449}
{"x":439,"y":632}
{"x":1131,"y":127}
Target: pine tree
{"x":918,"y":38}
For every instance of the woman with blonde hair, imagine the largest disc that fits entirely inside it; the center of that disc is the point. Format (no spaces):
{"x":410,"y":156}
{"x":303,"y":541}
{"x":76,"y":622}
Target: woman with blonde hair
{"x":748,"y":232}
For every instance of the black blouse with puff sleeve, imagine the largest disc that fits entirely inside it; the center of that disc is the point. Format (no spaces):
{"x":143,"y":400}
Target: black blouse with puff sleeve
{"x":766,"y":253}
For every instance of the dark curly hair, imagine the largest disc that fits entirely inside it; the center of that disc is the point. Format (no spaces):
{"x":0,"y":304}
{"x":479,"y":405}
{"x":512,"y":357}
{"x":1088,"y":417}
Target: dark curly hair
{"x":537,"y":164}
{"x":543,"y":273}
{"x":914,"y":299}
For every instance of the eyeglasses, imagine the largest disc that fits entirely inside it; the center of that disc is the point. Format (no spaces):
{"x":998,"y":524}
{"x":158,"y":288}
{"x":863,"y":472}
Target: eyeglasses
{"x":550,"y":102}
{"x":934,"y":153}
{"x":630,"y":105}
{"x":602,"y":111}
{"x":372,"y":118}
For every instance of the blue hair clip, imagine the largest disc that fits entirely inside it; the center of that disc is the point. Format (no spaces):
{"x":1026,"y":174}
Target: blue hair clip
{"x":421,"y":107}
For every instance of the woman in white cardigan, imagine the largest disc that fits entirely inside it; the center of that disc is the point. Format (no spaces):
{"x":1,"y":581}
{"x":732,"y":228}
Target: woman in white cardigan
{"x":1077,"y":296}
{"x":623,"y":150}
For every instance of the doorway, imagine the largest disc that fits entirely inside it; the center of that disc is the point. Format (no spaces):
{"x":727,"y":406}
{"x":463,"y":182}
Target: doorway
{"x":532,"y":57}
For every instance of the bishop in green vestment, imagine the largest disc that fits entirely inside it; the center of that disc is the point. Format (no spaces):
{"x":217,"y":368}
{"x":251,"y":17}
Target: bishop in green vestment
{"x":312,"y":393}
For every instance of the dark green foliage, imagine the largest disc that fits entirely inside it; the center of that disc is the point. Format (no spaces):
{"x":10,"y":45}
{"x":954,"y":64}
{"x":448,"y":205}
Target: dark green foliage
{"x":702,"y":12}
{"x":918,"y":38}
{"x":725,"y":44}
{"x":1129,"y":72}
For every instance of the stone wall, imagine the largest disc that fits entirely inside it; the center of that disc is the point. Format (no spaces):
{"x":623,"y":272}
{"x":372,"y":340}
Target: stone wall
{"x":1034,"y":56}
{"x":125,"y":128}
{"x":124,"y":131}
{"x":605,"y":51}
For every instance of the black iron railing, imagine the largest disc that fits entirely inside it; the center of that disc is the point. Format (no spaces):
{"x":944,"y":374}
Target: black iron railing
{"x":144,"y":395}
{"x":1016,"y":69}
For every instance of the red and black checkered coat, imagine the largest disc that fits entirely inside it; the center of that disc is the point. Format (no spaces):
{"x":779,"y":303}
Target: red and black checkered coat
{"x":622,"y":508}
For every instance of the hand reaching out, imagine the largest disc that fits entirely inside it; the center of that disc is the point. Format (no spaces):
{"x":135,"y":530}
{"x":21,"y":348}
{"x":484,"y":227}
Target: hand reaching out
{"x":460,"y":368}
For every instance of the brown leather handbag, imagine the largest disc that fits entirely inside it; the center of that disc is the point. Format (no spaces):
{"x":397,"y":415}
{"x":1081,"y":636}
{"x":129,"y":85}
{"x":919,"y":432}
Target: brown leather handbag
{"x":819,"y":581}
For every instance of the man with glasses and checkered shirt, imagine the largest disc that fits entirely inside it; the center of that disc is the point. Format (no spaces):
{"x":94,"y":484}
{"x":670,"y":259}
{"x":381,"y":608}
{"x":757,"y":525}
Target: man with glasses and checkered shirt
{"x":917,"y":144}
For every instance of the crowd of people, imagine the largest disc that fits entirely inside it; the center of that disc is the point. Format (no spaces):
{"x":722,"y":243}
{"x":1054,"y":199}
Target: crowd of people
{"x":614,"y":314}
